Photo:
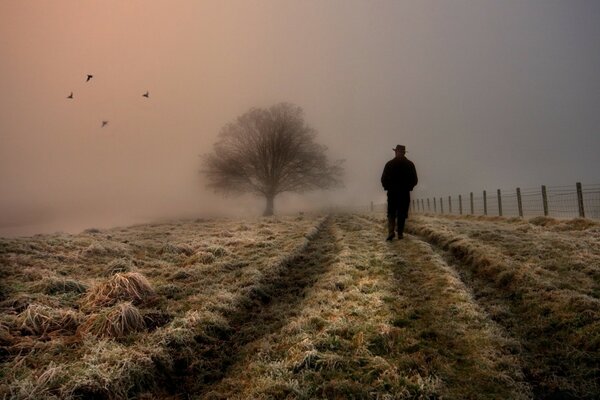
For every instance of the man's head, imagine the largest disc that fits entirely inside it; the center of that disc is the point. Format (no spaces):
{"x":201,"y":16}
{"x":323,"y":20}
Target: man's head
{"x":400,"y":150}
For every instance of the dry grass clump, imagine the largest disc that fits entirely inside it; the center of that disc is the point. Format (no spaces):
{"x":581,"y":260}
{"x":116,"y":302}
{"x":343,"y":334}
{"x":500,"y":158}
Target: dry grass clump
{"x":172,"y":292}
{"x":181,"y":275}
{"x":205,"y":257}
{"x":106,"y":248}
{"x":176,"y":249}
{"x":543,"y":221}
{"x":128,"y":286}
{"x":56,"y":285}
{"x":39,"y":319}
{"x":119,"y":265}
{"x":38,"y":385}
{"x":110,"y":370}
{"x":115,"y":322}
{"x":36,"y":273}
{"x":218,"y":251}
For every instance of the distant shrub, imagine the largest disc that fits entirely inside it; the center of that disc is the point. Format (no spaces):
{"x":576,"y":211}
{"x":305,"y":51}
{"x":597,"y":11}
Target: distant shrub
{"x":115,"y":322}
{"x":92,"y":230}
{"x":128,"y":286}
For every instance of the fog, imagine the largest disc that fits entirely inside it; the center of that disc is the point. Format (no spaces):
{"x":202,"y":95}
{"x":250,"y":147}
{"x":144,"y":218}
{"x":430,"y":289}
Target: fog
{"x":485,"y":95}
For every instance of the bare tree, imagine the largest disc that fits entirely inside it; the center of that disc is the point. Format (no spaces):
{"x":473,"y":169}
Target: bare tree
{"x":268,"y":152}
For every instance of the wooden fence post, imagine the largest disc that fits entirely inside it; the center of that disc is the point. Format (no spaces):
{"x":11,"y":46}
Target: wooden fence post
{"x":413,"y":204}
{"x":519,"y":202}
{"x":460,"y":204}
{"x":372,"y":207}
{"x":449,"y":204}
{"x":428,"y":205}
{"x":441,"y":205}
{"x":435,"y":205}
{"x":580,"y":200}
{"x":423,"y":205}
{"x":472,"y":205}
{"x":545,"y":200}
{"x":484,"y":203}
{"x":499,"y":203}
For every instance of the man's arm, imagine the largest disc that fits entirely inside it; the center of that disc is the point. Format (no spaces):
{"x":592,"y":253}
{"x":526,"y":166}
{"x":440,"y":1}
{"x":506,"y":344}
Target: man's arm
{"x":414,"y":174}
{"x":385,"y":177}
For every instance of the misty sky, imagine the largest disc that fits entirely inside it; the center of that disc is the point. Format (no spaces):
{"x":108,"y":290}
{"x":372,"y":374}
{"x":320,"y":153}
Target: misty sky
{"x":484,"y":94}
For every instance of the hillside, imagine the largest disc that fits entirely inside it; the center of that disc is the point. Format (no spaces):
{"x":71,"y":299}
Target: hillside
{"x":304,"y":307}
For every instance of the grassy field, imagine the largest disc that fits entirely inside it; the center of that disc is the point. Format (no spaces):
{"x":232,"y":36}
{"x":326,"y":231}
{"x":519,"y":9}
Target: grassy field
{"x":304,"y":307}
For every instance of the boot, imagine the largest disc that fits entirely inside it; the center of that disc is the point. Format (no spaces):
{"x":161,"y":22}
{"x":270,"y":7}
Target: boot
{"x":391,"y":227}
{"x":401,"y":227}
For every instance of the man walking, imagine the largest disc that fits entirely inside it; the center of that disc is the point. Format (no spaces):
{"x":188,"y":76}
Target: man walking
{"x":399,"y":178}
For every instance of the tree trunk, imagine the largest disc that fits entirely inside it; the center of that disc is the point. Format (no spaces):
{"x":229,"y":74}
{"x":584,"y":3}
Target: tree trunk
{"x":270,"y":206}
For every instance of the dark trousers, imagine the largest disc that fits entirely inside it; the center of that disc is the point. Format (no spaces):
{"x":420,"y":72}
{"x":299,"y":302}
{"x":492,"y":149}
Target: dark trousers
{"x":397,"y":210}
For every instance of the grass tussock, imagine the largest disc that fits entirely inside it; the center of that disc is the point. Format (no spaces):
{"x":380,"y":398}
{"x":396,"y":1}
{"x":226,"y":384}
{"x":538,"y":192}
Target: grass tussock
{"x":119,"y":265}
{"x":106,"y":248}
{"x":42,"y":384}
{"x":110,"y":370}
{"x":128,"y":286}
{"x":56,"y":285}
{"x":115,"y":322}
{"x":38,"y":319}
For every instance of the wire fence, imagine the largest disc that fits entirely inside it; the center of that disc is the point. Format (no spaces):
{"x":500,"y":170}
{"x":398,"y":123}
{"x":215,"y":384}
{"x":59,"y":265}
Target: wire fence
{"x":578,"y":200}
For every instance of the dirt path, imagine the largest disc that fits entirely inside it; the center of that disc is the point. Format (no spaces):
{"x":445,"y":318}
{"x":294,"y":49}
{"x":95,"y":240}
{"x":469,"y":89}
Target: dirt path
{"x":453,"y":335}
{"x":267,"y":306}
{"x":369,"y":320}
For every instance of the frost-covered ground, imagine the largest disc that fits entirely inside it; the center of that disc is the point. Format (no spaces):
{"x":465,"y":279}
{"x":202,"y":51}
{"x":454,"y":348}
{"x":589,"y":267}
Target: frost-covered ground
{"x":304,"y":307}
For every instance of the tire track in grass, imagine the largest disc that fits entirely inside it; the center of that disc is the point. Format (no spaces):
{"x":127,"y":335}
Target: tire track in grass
{"x":335,"y":346}
{"x":447,"y":333}
{"x":265,"y":308}
{"x":559,"y":329}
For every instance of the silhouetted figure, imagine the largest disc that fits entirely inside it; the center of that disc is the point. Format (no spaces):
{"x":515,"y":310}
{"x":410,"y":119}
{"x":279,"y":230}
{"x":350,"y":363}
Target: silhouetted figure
{"x":70,"y":96}
{"x":89,"y":77}
{"x":104,"y":123}
{"x":399,"y":178}
{"x":147,"y":94}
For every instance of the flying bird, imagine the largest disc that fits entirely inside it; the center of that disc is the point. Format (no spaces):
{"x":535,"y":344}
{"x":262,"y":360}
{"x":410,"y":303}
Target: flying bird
{"x":147,"y":94}
{"x":104,"y":123}
{"x":89,"y":77}
{"x":70,"y":96}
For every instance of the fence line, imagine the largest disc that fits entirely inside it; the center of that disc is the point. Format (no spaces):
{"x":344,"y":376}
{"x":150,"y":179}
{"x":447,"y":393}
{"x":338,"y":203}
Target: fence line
{"x":567,"y":201}
{"x":557,"y":201}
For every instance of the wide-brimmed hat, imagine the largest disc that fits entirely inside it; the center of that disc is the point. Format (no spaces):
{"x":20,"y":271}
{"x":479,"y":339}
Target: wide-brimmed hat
{"x":400,"y":147}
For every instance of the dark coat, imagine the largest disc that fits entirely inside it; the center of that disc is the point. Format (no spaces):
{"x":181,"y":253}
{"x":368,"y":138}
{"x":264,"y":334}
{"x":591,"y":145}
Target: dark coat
{"x":399,"y":175}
